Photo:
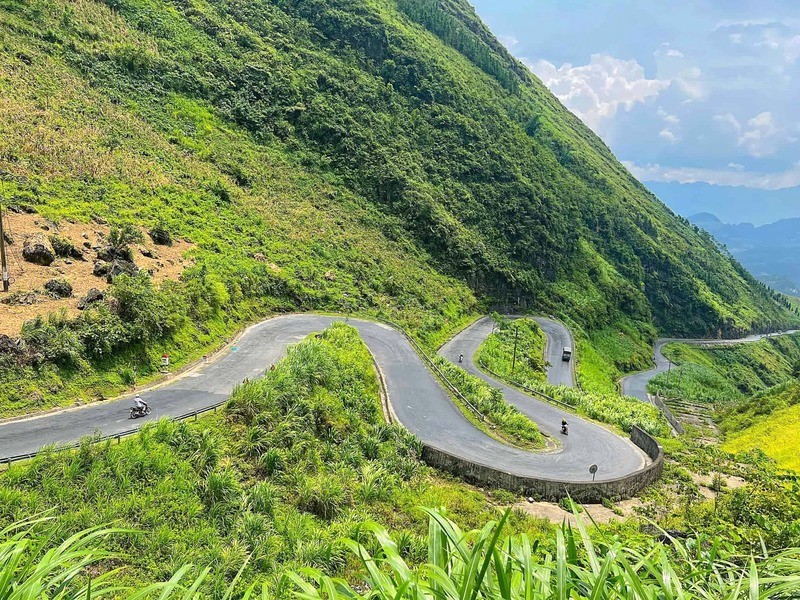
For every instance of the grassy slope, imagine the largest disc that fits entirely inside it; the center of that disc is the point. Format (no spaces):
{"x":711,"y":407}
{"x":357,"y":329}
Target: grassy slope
{"x":730,"y":373}
{"x":300,"y":459}
{"x":96,"y":153}
{"x":768,"y":422}
{"x":356,"y":151}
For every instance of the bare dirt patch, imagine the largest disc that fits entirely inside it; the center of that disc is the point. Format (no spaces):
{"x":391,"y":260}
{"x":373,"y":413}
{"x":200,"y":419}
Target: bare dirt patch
{"x":27,"y":279}
{"x":705,"y":483}
{"x":555,"y":514}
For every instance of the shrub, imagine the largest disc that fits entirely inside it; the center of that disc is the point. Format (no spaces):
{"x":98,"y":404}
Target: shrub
{"x":52,"y":339}
{"x":160,"y":234}
{"x":62,"y":246}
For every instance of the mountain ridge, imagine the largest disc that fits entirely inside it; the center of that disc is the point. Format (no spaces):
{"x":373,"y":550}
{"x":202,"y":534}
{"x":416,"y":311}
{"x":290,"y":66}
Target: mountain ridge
{"x":768,"y":251}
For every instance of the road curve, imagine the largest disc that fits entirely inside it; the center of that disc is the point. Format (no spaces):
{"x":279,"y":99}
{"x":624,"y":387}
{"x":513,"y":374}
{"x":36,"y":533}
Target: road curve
{"x":635,"y":385}
{"x":586,"y":444}
{"x":417,"y":398}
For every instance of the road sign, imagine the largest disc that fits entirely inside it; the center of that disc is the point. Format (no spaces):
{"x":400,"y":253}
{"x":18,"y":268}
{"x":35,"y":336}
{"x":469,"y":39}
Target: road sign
{"x":593,"y":471}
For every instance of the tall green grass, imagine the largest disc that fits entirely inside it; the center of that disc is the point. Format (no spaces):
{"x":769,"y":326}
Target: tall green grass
{"x":485,"y":564}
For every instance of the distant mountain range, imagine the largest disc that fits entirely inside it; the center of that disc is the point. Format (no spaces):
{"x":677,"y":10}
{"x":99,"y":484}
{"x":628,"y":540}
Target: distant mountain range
{"x":730,"y":204}
{"x":770,"y":252}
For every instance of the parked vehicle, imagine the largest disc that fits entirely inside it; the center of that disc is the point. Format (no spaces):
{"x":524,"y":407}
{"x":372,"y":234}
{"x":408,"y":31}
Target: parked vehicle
{"x":566,"y":356}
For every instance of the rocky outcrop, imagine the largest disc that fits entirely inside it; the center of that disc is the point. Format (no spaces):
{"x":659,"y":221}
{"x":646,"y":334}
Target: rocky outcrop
{"x":38,"y":250}
{"x":100,"y":268}
{"x":60,"y":288}
{"x":92,"y":296}
{"x":121,"y":267}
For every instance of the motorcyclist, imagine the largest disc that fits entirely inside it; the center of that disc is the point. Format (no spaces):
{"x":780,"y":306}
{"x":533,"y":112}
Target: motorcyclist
{"x":563,"y":425}
{"x":460,"y":358}
{"x":139,"y":404}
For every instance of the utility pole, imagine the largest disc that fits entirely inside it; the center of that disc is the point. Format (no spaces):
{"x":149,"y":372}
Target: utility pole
{"x":514,"y":360}
{"x":3,"y":265}
{"x":669,"y":372}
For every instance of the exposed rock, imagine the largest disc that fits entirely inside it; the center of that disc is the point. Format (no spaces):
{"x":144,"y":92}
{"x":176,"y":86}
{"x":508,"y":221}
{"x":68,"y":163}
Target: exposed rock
{"x":36,"y":398}
{"x":106,"y":253}
{"x":99,"y":220}
{"x":20,"y":299}
{"x":8,"y":238}
{"x":101,"y":268}
{"x":330,"y":276}
{"x":92,"y":296}
{"x":160,"y":236}
{"x":38,"y":250}
{"x":87,"y":245}
{"x":259,"y":257}
{"x":9,"y":345}
{"x":148,"y":252}
{"x":120,"y":267}
{"x":60,"y":288}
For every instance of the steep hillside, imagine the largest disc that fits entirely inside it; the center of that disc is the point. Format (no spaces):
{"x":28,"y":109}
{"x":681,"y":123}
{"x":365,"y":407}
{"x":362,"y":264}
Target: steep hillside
{"x":346,"y":155}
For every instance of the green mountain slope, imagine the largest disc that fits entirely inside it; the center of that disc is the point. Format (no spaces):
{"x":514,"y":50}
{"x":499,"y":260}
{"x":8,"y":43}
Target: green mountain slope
{"x":379,"y":154}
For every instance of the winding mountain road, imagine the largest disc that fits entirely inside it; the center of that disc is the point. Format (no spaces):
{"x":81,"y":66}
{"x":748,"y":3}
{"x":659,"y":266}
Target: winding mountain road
{"x":635,"y":385}
{"x":417,"y":398}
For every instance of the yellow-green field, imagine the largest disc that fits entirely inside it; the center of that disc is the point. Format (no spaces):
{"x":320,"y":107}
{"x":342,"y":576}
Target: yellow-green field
{"x":777,"y":437}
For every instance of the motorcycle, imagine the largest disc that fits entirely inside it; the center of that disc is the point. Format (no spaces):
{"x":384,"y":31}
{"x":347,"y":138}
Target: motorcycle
{"x":139,"y":412}
{"x":565,"y":429}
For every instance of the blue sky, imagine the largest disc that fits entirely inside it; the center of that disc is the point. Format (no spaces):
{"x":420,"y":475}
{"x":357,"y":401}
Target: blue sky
{"x":700,"y":99}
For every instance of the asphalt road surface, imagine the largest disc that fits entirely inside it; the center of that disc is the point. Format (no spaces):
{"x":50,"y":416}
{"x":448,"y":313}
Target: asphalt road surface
{"x":586,"y":444}
{"x":417,"y":398}
{"x":636,"y":385}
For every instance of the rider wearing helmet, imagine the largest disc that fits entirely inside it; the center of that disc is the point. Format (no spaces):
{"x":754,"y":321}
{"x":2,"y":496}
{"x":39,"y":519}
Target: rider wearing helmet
{"x":139,"y":404}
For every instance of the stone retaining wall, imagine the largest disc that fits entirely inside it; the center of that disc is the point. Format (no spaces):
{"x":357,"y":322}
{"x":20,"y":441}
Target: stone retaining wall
{"x":553,"y":490}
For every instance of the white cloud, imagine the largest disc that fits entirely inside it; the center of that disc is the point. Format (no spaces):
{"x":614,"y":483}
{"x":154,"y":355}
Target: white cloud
{"x":761,"y":137}
{"x":737,"y":177}
{"x":669,"y":135}
{"x":728,"y":121}
{"x":736,"y":166}
{"x":595,"y":92}
{"x":510,"y":41}
{"x":673,"y":66}
{"x":668,"y":118}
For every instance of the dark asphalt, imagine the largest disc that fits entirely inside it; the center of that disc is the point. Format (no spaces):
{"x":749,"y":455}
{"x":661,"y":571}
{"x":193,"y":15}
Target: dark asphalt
{"x":586,"y":444}
{"x":635,"y":385}
{"x":418,"y":400}
{"x":558,"y":337}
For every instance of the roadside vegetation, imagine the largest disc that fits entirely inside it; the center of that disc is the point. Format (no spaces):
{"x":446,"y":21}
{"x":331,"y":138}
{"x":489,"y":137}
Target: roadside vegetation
{"x":497,"y":354}
{"x":728,"y":374}
{"x":484,"y":564}
{"x":502,"y":420}
{"x":298,"y":460}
